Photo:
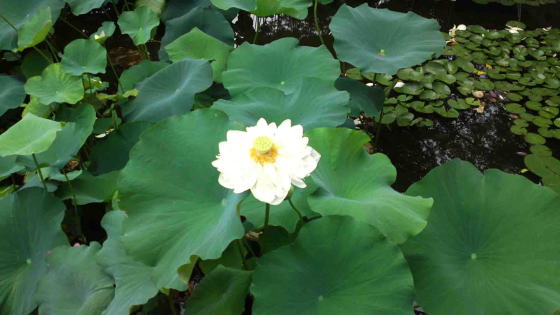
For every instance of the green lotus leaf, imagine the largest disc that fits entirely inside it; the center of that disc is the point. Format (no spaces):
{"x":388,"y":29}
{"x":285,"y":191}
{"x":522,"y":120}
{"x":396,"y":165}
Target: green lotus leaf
{"x":540,"y":149}
{"x":156,"y":6}
{"x":294,"y":8}
{"x":198,"y":45}
{"x":369,"y":277}
{"x":135,"y":74}
{"x":280,"y":65}
{"x":465,"y":65}
{"x":30,"y":135}
{"x":406,"y":40}
{"x":357,"y":184}
{"x":74,"y":282}
{"x":169,"y":91}
{"x":428,"y":95}
{"x":175,"y":192}
{"x":12,"y":94}
{"x":246,"y":5}
{"x":543,"y":164}
{"x":84,"y":56}
{"x":80,"y":7}
{"x":8,"y":166}
{"x":363,"y":98}
{"x":138,"y":24}
{"x":117,"y":145}
{"x":33,"y":63}
{"x":441,"y":89}
{"x":490,"y":245}
{"x":87,"y":188}
{"x":534,"y":138}
{"x":447,"y":113}
{"x":208,"y":20}
{"x":36,"y":29}
{"x":222,"y":291}
{"x":78,"y":125}
{"x":20,"y":14}
{"x":55,"y":85}
{"x":515,"y":108}
{"x":447,"y":78}
{"x":313,"y":103}
{"x":105,"y":31}
{"x":134,"y":284}
{"x":435,"y":68}
{"x":30,"y":225}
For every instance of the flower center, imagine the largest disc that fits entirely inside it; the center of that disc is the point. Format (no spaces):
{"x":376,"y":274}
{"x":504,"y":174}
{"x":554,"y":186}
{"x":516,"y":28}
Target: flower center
{"x":263,"y":150}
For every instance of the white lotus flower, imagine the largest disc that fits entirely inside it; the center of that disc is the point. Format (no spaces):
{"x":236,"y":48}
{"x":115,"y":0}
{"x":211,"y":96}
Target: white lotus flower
{"x":266,"y":159}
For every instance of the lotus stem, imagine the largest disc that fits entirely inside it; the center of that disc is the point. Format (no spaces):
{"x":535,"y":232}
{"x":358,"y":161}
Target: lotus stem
{"x":49,"y":60}
{"x":243,"y":259}
{"x":74,"y":27}
{"x":378,"y":131}
{"x":317,"y":28}
{"x":300,"y":215}
{"x":266,"y":216}
{"x":119,"y":85}
{"x":8,"y":22}
{"x":38,"y":169}
{"x":74,"y":205}
{"x":257,"y":29}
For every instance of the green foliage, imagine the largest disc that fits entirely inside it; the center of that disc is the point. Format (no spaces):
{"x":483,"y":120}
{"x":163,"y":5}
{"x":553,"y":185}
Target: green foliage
{"x":30,"y":135}
{"x":414,"y":41}
{"x":36,"y":29}
{"x":84,"y":6}
{"x":12,"y":94}
{"x":294,"y":8}
{"x":138,"y":24}
{"x":84,"y":56}
{"x":30,"y":228}
{"x":490,"y":246}
{"x":55,"y":85}
{"x":368,"y":276}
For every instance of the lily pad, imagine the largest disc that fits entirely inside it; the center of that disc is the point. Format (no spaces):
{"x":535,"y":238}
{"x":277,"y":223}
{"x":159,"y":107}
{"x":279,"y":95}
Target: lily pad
{"x":30,"y":135}
{"x":490,"y":245}
{"x":369,"y":277}
{"x":280,"y":64}
{"x":135,"y":74}
{"x":348,"y":186}
{"x":138,"y":24}
{"x":105,"y":31}
{"x":30,"y":227}
{"x":74,"y":283}
{"x":175,"y":192}
{"x":80,"y":7}
{"x":314,"y":103}
{"x":294,"y":8}
{"x":177,"y":83}
{"x":55,"y":85}
{"x":406,"y":40}
{"x":534,"y":138}
{"x":84,"y":56}
{"x":246,"y":5}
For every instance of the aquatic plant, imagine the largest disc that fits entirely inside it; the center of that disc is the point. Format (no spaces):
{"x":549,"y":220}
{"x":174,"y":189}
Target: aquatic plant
{"x":151,"y":138}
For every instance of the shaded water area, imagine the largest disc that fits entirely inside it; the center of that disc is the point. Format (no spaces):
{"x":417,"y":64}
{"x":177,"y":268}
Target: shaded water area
{"x":481,"y":138}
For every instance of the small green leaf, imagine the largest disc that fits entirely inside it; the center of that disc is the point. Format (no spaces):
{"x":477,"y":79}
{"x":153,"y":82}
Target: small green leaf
{"x":12,"y":93}
{"x":84,"y":56}
{"x":36,"y":29}
{"x":55,"y":85}
{"x":30,"y":135}
{"x":105,"y":31}
{"x":138,"y":24}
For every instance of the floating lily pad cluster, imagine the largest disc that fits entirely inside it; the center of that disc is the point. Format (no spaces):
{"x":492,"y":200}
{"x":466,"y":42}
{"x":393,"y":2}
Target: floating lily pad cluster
{"x":109,"y":203}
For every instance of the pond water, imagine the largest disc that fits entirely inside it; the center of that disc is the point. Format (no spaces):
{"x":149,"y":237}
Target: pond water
{"x":481,"y":138}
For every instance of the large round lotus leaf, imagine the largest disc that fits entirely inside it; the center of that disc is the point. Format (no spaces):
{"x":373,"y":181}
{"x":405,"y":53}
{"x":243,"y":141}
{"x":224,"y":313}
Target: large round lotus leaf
{"x":280,"y":65}
{"x":491,"y":244}
{"x":84,"y":56}
{"x":30,"y":135}
{"x":363,"y":98}
{"x":77,"y":128}
{"x":294,"y":8}
{"x":222,"y":291}
{"x":18,"y":13}
{"x":199,"y":45}
{"x":246,"y":5}
{"x":370,"y":276}
{"x":392,"y":41}
{"x":29,"y":227}
{"x":313,"y":103}
{"x":90,"y":189}
{"x":55,"y":85}
{"x":35,"y":30}
{"x":138,"y":24}
{"x":80,"y":7}
{"x":352,"y":182}
{"x":208,"y":20}
{"x":12,"y":93}
{"x":117,"y":145}
{"x":170,"y":191}
{"x":169,"y":91}
{"x":74,"y":283}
